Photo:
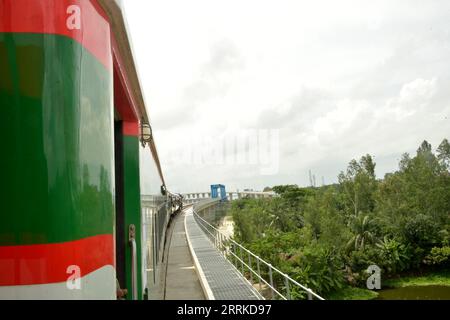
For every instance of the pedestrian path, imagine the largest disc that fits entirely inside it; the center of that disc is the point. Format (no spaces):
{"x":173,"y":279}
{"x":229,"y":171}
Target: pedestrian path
{"x":182,"y":282}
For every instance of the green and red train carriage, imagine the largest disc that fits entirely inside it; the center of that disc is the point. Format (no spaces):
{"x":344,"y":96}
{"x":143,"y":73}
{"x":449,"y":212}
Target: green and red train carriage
{"x":74,"y":158}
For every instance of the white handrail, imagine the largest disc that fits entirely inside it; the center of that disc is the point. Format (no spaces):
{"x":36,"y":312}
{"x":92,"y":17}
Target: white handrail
{"x":132,"y":241}
{"x":228,"y":238}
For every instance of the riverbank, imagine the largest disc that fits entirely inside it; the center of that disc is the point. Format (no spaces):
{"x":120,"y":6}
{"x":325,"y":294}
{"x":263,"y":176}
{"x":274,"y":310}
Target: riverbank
{"x":436,"y":278}
{"x":353,"y":293}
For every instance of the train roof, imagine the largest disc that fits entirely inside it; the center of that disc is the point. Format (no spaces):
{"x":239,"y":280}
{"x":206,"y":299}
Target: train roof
{"x":124,"y":61}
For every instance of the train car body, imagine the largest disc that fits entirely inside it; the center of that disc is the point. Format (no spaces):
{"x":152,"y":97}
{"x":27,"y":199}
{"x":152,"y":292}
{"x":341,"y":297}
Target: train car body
{"x":72,"y":224}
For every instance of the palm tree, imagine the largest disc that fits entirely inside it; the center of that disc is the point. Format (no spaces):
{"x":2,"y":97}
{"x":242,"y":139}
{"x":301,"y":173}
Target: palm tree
{"x":361,"y":226}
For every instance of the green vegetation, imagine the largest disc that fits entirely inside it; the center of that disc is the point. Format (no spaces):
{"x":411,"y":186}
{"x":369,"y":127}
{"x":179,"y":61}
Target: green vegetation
{"x":353,"y":293}
{"x":439,"y":278}
{"x":326,"y":237}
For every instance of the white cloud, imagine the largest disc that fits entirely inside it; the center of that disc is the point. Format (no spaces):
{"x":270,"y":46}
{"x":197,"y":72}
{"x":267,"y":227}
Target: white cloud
{"x":338,"y":78}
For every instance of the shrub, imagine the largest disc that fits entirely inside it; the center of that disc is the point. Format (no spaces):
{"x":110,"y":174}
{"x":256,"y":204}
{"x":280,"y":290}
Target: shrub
{"x":438,"y":256}
{"x":394,"y":255}
{"x":358,"y":261}
{"x":421,"y":230}
{"x":324,"y":267}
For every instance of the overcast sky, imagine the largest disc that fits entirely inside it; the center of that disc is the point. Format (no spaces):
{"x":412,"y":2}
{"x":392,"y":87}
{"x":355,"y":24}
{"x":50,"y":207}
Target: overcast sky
{"x":329,"y":80}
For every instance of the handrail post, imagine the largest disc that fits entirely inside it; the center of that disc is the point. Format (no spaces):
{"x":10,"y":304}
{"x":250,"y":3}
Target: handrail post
{"x":218,"y":240}
{"x":259,"y":273}
{"x":288,"y":290}
{"x":271,"y":281}
{"x":309,"y":294}
{"x":235,"y":258}
{"x":250,"y":267}
{"x":224,"y":247}
{"x":242,"y":260}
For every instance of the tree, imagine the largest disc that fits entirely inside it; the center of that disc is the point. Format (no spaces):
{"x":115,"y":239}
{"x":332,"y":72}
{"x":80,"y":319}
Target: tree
{"x":324,"y":216}
{"x":443,"y":154}
{"x":422,"y":231}
{"x":314,"y":234}
{"x":358,"y":185}
{"x":425,"y":152}
{"x":394,"y":255}
{"x":362,"y":226}
{"x":425,"y":148}
{"x":419,"y":192}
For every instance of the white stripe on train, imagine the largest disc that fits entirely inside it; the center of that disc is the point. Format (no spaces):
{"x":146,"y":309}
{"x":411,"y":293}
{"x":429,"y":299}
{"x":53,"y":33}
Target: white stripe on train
{"x":98,"y":285}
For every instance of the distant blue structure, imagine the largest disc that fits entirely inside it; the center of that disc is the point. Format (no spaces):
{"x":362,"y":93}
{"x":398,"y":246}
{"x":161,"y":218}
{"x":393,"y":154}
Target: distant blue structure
{"x":215,"y":194}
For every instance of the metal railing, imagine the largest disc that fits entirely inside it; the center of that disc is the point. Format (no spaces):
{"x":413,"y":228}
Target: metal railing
{"x":132,"y":241}
{"x":254,"y":265}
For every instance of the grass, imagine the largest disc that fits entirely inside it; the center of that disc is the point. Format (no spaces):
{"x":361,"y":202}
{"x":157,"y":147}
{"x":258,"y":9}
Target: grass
{"x":437,"y":278}
{"x":353,"y":293}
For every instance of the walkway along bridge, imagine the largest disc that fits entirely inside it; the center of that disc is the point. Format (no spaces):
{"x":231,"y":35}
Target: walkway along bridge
{"x":217,"y":267}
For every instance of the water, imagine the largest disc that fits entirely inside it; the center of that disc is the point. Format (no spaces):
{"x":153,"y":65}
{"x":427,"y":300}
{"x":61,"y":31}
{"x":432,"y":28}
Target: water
{"x":219,"y":217}
{"x":416,"y":293}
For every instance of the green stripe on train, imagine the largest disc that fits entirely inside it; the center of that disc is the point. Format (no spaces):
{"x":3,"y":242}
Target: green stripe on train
{"x":57,"y":141}
{"x":132,"y":199}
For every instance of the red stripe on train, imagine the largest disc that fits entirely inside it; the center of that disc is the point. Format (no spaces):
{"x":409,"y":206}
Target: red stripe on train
{"x":48,"y":263}
{"x":131,"y":128}
{"x":86,"y":25}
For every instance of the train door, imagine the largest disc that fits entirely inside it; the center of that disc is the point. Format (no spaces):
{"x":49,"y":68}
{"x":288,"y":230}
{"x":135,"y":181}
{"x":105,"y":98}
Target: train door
{"x":120,"y":207}
{"x":128,"y":207}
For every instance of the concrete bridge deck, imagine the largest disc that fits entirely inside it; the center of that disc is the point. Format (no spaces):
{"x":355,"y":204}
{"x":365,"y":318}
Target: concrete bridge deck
{"x":182,"y":282}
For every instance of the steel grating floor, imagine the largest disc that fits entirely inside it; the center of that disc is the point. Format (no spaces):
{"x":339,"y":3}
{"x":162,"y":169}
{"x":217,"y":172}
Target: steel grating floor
{"x":225,"y":281}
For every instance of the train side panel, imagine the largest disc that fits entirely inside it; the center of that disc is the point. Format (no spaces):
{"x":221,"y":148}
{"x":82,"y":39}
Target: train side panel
{"x":56,"y":107}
